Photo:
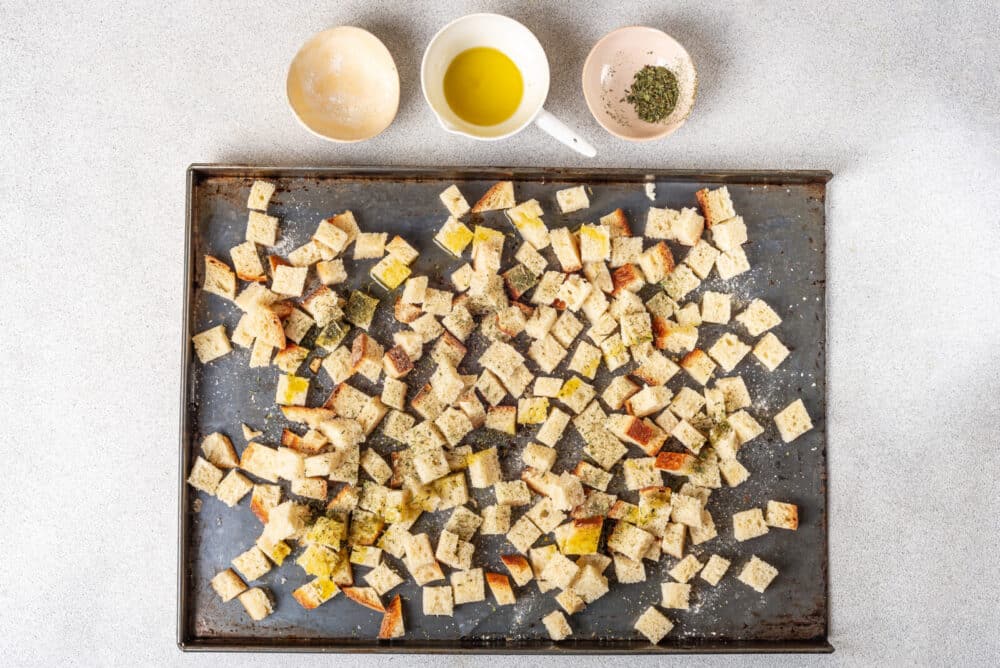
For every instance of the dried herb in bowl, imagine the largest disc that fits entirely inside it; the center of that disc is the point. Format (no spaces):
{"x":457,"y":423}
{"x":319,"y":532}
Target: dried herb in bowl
{"x":653,"y":93}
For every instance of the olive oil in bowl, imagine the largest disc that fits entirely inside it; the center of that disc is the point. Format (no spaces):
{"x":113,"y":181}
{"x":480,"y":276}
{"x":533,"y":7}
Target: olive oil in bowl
{"x":483,"y":86}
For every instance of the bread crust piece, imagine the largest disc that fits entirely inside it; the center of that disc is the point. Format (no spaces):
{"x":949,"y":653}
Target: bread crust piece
{"x":392,"y":620}
{"x":499,"y":196}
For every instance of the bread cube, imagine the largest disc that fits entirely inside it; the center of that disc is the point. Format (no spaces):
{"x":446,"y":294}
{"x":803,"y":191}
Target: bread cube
{"x":654,"y":625}
{"x":545,"y":515}
{"x":519,"y":568}
{"x":625,"y":250}
{"x":556,"y":625}
{"x":701,"y":258}
{"x":793,"y":421}
{"x":257,"y":603}
{"x":369,"y":245}
{"x":675,"y":595}
{"x":640,"y":472}
{"x":757,"y":574}
{"x":617,"y":223}
{"x":500,"y":587}
{"x":454,"y":551}
{"x":260,"y":195}
{"x":628,"y":571}
{"x":438,"y":601}
{"x":595,"y":243}
{"x":698,"y":365}
{"x":688,"y":227}
{"x":570,"y":601}
{"x":252,"y":564}
{"x":782,"y":515}
{"x":714,"y":569}
{"x":749,"y":524}
{"x":758,"y":317}
{"x":496,"y":520}
{"x":526,"y":217}
{"x":484,"y":468}
{"x":680,"y":282}
{"x":233,"y":488}
{"x":733,"y":472}
{"x":454,"y":201}
{"x":715,"y":204}
{"x":211,"y":344}
{"x":615,"y":352}
{"x":656,"y":262}
{"x":453,"y":237}
{"x":732,"y":263}
{"x":228,"y":585}
{"x":592,"y":476}
{"x":566,"y":248}
{"x":522,"y":536}
{"x":729,"y":234}
{"x":659,"y":223}
{"x":572,"y":199}
{"x":685,"y":569}
{"x":559,"y":571}
{"x":728,"y":351}
{"x":204,"y":476}
{"x":630,"y":540}
{"x":770,"y":352}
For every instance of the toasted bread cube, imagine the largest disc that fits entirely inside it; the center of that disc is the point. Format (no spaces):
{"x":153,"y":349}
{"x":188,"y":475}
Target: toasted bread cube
{"x":735,"y":393}
{"x":566,"y":249}
{"x":468,"y":586}
{"x":680,"y":282}
{"x":260,"y":460}
{"x":484,"y":468}
{"x":228,"y":585}
{"x":519,"y":568}
{"x":618,"y":392}
{"x":557,"y":626}
{"x":233,"y":488}
{"x":532,"y":410}
{"x":260,"y":195}
{"x":686,"y":510}
{"x":649,"y":400}
{"x":729,"y":234}
{"x":538,"y":456}
{"x":452,"y":490}
{"x":758,"y":317}
{"x":545,"y":515}
{"x":757,"y":574}
{"x":686,"y":403}
{"x":454,"y":201}
{"x":454,"y":425}
{"x":624,"y":250}
{"x":389,"y":272}
{"x":500,"y":586}
{"x":656,"y":262}
{"x":512,"y":492}
{"x":572,"y":199}
{"x":732,"y":263}
{"x":640,"y":472}
{"x":615,"y":352}
{"x":701,"y":258}
{"x":733,"y":472}
{"x":627,"y":278}
{"x":617,"y":223}
{"x":749,"y":524}
{"x":438,"y":601}
{"x":688,"y":227}
{"x":360,"y":309}
{"x":793,"y":421}
{"x":595,"y":243}
{"x":548,"y":288}
{"x":714,"y":570}
{"x":247,"y":261}
{"x":204,"y":476}
{"x":728,"y":351}
{"x":630,"y":540}
{"x":502,"y":419}
{"x":219,"y":451}
{"x":383,"y":579}
{"x":429,"y":406}
{"x":415,"y":290}
{"x":219,"y":278}
{"x":257,"y":603}
{"x":461,"y":278}
{"x":496,"y":520}
{"x":629,"y":571}
{"x":770,"y":351}
{"x":392,"y":620}
{"x":659,"y":223}
{"x":311,"y":488}
{"x":437,"y":302}
{"x":522,"y":536}
{"x":673,"y":539}
{"x":211,"y":344}
{"x":654,"y":625}
{"x":577,"y":395}
{"x":592,"y":476}
{"x":675,"y":595}
{"x":698,"y":365}
{"x":685,"y":569}
{"x":559,"y":571}
{"x":292,"y":390}
{"x":401,"y":250}
{"x":430,"y":464}
{"x":315,"y":593}
{"x":715,"y":204}
{"x":252,"y":564}
{"x":526,"y":217}
{"x":369,"y":245}
{"x":782,"y":515}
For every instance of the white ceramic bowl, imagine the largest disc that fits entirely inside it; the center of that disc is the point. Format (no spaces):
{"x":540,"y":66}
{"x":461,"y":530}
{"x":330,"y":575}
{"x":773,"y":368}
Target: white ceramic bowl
{"x":610,"y":68}
{"x":343,"y":85}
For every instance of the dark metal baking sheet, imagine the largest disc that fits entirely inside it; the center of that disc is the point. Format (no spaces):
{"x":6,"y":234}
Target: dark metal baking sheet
{"x":785,"y":214}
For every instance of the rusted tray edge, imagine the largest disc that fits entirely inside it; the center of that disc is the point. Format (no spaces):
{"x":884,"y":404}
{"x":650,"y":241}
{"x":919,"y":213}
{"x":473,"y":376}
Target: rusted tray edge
{"x":188,"y":642}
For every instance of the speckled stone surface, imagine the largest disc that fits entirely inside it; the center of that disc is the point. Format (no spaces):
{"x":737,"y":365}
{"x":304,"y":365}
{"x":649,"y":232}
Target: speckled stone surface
{"x":103,"y":105}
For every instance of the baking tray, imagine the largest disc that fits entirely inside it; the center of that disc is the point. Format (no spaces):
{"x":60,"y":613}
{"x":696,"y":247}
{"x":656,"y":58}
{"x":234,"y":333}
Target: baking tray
{"x":785,"y":214}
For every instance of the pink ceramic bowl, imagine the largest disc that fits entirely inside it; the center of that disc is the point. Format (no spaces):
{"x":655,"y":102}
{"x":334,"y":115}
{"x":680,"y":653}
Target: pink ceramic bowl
{"x":609,"y":70}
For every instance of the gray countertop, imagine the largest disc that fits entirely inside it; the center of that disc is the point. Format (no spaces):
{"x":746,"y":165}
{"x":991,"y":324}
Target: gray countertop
{"x":103,"y":106}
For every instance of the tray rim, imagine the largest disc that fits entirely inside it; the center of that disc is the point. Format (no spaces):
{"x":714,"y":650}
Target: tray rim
{"x":187,"y":641}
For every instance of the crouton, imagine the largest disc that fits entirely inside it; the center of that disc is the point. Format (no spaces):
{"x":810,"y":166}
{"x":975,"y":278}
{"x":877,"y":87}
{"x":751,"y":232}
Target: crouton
{"x":653,"y":625}
{"x":728,"y":351}
{"x":592,"y":476}
{"x":233,"y":488}
{"x":758,"y":317}
{"x":365,"y":596}
{"x":438,"y":601}
{"x":260,"y":195}
{"x":656,"y":262}
{"x":257,"y":603}
{"x":499,"y":196}
{"x":716,"y":204}
{"x":527,"y":219}
{"x":522,"y":536}
{"x":383,"y":579}
{"x":629,"y":540}
{"x":685,"y":569}
{"x":617,"y":223}
{"x":649,"y":400}
{"x":675,"y":595}
{"x":680,"y":282}
{"x":557,"y":626}
{"x":389,"y":272}
{"x":204,"y":476}
{"x":595,"y":243}
{"x":518,"y":567}
{"x":566,"y":249}
{"x":247,"y":261}
{"x":500,"y":587}
{"x":252,"y":564}
{"x":757,"y":574}
{"x":468,"y":586}
{"x":211,"y":344}
{"x":733,"y":472}
{"x":615,"y":352}
{"x":228,"y":585}
{"x":698,"y":365}
{"x":640,"y":472}
{"x":770,"y":352}
{"x":454,"y":201}
{"x":392,"y":620}
{"x":701,"y":258}
{"x":782,"y":515}
{"x":749,"y":524}
{"x":687,"y":228}
{"x":732,"y":263}
{"x":629,"y":571}
{"x":572,"y":199}
{"x":624,"y":250}
{"x":496,"y":520}
{"x":219,"y":278}
{"x":793,"y":421}
{"x":502,"y":419}
{"x":729,"y":234}
{"x":461,"y":278}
